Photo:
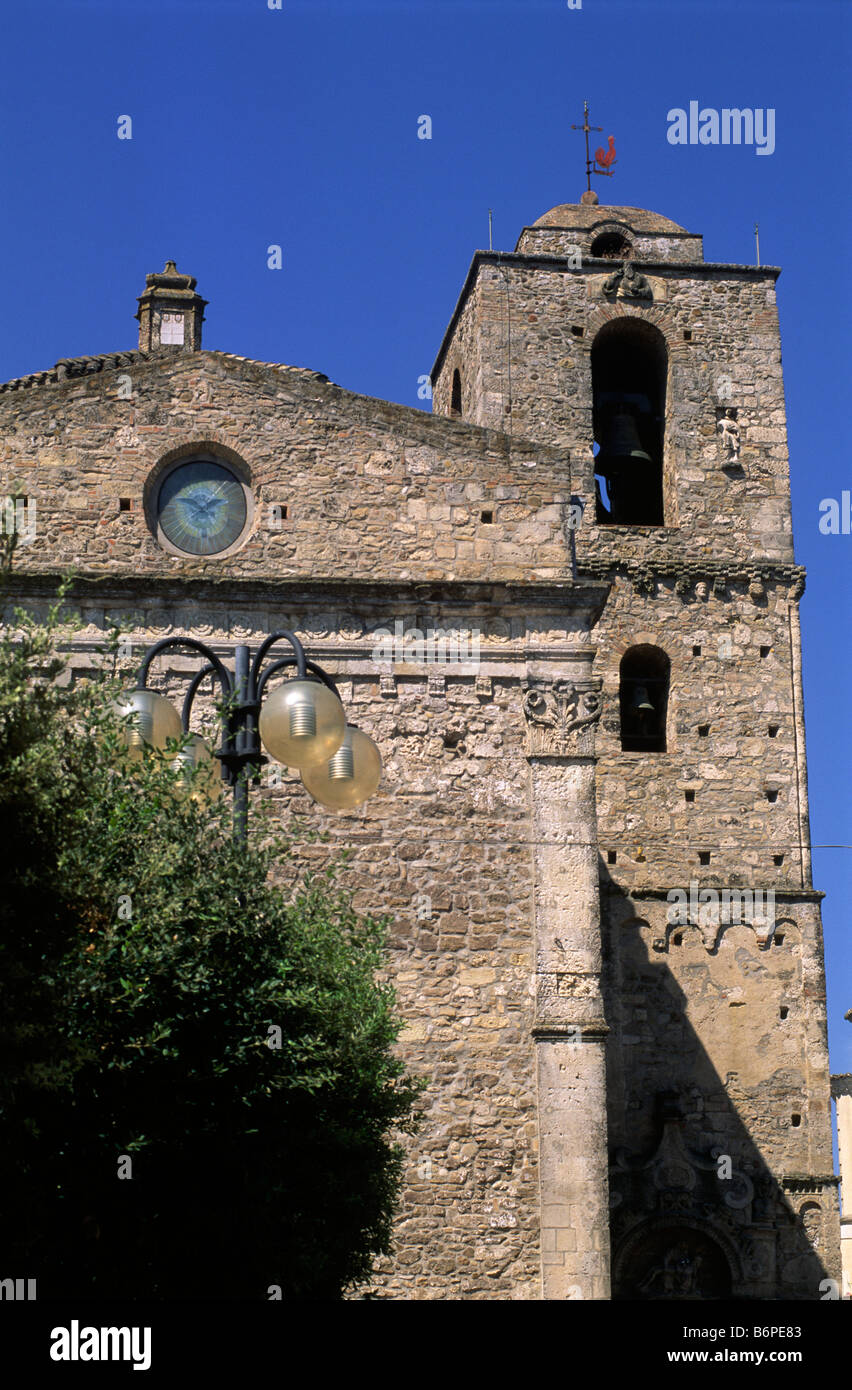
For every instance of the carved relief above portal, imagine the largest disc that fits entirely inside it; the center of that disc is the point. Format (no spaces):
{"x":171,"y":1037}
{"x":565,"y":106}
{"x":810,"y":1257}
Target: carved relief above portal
{"x":558,"y":714}
{"x":627,"y":283}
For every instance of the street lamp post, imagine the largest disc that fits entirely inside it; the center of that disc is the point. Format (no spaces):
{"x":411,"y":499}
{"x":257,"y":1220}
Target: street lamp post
{"x":302,"y":724}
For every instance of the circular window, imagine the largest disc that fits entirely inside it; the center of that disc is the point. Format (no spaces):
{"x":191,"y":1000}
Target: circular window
{"x":202,"y":508}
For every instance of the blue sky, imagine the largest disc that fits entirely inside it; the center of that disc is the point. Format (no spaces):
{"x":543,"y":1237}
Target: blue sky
{"x":297,"y":127}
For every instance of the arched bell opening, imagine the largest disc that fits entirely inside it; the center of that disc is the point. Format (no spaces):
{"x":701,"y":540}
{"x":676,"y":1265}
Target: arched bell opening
{"x":629,"y":370}
{"x":643,"y":698}
{"x":456,"y":394}
{"x":611,"y":246}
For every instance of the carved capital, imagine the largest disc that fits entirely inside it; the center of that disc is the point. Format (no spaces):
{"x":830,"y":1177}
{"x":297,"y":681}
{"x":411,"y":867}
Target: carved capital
{"x":558,"y":712}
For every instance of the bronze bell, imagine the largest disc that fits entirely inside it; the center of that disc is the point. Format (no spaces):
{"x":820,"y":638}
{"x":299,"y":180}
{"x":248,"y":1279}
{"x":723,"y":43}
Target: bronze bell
{"x":621,"y":442}
{"x":633,"y":480}
{"x":640,"y":702}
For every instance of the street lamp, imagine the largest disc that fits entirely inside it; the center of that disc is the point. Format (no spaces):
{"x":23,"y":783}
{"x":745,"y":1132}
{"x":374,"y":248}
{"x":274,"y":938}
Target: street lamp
{"x":302,"y":724}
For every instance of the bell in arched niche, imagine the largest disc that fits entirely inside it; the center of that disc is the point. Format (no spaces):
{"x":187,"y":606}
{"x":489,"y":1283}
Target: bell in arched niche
{"x":629,"y":369}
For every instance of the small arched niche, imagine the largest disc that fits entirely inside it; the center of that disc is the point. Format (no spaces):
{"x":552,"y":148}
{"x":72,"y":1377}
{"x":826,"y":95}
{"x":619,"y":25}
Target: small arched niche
{"x":643,"y":695}
{"x":629,"y":371}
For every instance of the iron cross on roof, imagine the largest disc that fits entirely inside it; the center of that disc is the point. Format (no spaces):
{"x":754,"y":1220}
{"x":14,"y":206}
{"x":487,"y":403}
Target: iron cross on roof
{"x":603,"y":157}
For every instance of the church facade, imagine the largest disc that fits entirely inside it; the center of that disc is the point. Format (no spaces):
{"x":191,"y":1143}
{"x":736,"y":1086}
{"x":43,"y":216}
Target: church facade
{"x":565,"y":606}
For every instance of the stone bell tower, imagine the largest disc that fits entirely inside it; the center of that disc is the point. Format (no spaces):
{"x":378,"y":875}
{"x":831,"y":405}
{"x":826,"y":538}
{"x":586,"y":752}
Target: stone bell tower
{"x":606,"y":332}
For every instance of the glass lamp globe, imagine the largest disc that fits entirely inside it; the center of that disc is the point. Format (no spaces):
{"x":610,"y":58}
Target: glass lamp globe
{"x":350,"y":777}
{"x":155,"y":720}
{"x":302,"y":723}
{"x":207,"y":784}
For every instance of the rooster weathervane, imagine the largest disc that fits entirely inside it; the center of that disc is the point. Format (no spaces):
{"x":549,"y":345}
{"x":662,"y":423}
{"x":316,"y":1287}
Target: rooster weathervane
{"x":604,"y":158}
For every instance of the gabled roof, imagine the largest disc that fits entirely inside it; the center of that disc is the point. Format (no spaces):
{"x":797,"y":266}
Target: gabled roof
{"x":68,"y":368}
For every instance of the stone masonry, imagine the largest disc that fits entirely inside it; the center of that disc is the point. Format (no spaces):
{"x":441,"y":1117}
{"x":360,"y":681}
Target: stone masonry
{"x":593,"y":1063}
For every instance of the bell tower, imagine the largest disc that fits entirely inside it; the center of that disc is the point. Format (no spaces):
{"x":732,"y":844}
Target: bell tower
{"x":605,"y":332}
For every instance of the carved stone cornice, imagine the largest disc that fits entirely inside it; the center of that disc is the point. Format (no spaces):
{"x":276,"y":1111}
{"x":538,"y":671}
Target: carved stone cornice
{"x":594,"y":1031}
{"x":209,"y":582}
{"x":808,"y":1182}
{"x":560,"y":715}
{"x":688,"y":575}
{"x":783,"y":893}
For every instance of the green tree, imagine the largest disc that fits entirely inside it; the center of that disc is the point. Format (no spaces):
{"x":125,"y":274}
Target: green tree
{"x":149,"y":969}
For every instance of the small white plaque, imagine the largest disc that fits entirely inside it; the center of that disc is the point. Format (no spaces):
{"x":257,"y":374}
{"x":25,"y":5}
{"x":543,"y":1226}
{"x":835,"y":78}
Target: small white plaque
{"x":171,"y":329}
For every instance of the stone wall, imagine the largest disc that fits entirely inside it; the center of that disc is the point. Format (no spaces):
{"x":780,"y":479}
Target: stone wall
{"x":447,"y":848}
{"x":692,"y":1011}
{"x":370,"y":489}
{"x":576,"y":1047}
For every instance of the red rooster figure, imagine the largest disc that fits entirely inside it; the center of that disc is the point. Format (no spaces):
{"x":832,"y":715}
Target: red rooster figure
{"x":606,"y":157}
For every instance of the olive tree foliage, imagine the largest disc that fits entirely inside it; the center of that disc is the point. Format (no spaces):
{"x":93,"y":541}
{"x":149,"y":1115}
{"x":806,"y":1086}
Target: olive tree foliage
{"x":199,"y":1095}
